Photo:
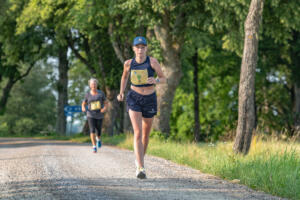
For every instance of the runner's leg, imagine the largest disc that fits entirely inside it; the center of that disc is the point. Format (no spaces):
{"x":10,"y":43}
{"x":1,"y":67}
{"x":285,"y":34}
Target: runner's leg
{"x":146,"y":124}
{"x":136,"y":121}
{"x":98,"y":131}
{"x":93,"y":138}
{"x":92,"y":124}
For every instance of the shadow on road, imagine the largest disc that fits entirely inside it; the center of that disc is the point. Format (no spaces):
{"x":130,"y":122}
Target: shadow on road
{"x":26,"y":142}
{"x":120,"y":188}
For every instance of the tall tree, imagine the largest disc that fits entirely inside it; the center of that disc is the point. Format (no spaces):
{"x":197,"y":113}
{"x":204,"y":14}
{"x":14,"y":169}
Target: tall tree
{"x":196,"y":98}
{"x":275,"y":75}
{"x":62,"y":88}
{"x":295,"y":66}
{"x":18,"y":53}
{"x":120,"y":39}
{"x":49,"y":16}
{"x":167,"y":20}
{"x":91,"y":44}
{"x":27,"y":112}
{"x":246,"y":120}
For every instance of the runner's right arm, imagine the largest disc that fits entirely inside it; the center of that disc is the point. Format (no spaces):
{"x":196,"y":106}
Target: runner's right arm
{"x":124,"y":79}
{"x":84,"y":104}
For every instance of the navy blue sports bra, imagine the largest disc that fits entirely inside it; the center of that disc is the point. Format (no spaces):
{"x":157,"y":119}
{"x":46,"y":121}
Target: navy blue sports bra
{"x":140,"y":72}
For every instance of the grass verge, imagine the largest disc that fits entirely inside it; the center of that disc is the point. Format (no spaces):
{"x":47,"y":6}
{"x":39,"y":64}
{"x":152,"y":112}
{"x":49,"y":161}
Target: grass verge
{"x":270,"y":166}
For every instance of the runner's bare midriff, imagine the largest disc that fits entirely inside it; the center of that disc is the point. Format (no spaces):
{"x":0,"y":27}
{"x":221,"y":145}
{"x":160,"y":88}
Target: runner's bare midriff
{"x":143,"y":90}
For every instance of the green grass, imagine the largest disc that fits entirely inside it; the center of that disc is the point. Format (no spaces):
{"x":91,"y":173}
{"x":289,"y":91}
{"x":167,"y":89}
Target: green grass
{"x":271,"y":166}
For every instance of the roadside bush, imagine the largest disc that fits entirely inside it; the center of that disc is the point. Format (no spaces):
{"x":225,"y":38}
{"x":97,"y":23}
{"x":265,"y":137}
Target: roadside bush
{"x":3,"y":129}
{"x":24,"y":126}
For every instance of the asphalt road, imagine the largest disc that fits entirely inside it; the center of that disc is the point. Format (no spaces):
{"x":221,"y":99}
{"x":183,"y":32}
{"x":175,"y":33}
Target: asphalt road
{"x":44,"y":169}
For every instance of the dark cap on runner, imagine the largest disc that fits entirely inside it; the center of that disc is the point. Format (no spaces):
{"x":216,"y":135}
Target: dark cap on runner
{"x":139,"y":40}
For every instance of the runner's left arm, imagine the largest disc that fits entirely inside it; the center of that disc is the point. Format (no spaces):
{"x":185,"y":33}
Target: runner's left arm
{"x":157,"y":68}
{"x":103,"y":110}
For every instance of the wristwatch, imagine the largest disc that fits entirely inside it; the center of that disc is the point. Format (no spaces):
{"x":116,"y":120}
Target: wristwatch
{"x":157,"y":80}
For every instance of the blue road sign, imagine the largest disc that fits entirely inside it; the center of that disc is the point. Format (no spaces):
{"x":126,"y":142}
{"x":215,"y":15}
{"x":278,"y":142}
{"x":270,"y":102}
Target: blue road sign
{"x":72,"y":109}
{"x":69,"y":110}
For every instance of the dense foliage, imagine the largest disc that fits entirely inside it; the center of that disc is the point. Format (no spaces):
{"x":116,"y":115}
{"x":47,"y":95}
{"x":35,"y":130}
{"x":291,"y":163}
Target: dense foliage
{"x":31,"y":107}
{"x":99,"y":34}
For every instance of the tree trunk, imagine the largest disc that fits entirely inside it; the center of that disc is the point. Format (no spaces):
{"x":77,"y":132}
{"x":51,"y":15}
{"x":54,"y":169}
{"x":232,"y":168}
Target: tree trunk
{"x":127,"y":128}
{"x":297,"y":110}
{"x":9,"y":85}
{"x":196,"y":99}
{"x":246,"y":118}
{"x":165,"y":96}
{"x":62,"y":88}
{"x":85,"y":128}
{"x":5,"y":95}
{"x":112,"y":112}
{"x":295,"y":66}
{"x":265,"y":110}
{"x":172,"y":69}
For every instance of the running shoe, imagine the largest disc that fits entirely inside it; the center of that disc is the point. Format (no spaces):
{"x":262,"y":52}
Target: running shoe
{"x":99,"y":144}
{"x":94,"y":150}
{"x":141,"y":173}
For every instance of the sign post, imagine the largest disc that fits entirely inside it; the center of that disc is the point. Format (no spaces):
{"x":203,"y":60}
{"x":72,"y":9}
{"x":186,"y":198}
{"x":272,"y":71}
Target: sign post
{"x":70,"y":110}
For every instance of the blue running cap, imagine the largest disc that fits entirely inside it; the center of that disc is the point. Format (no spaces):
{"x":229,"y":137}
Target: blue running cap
{"x":139,"y":40}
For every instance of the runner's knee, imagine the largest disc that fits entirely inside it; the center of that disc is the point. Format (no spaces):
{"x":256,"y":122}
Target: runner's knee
{"x":138,"y":135}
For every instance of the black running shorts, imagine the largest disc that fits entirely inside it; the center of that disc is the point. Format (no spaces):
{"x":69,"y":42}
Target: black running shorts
{"x":146,"y":104}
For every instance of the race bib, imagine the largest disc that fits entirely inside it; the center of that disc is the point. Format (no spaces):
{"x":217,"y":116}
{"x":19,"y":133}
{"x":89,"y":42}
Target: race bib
{"x":139,"y":77}
{"x":95,"y":105}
